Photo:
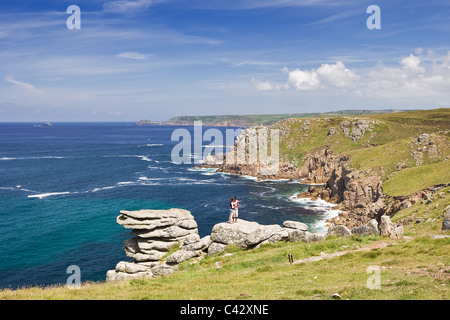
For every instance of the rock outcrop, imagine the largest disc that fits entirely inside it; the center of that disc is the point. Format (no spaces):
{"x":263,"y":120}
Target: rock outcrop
{"x":339,"y":231}
{"x":371,"y":228}
{"x":165,"y":238}
{"x":387,"y":228}
{"x":245,"y":234}
{"x":446,"y":222}
{"x":156,"y":233}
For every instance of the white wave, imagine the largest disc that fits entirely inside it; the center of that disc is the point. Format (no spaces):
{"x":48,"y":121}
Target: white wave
{"x":52,"y":157}
{"x":145,"y":158}
{"x":322,"y":224}
{"x":102,"y":188}
{"x":246,"y":177}
{"x":312,"y":203}
{"x":151,"y":179}
{"x":32,"y":158}
{"x":202,"y":169}
{"x":158,"y":168}
{"x":268,"y":207}
{"x":297,"y":181}
{"x":274,"y":180}
{"x":125,"y":183}
{"x":154,"y":144}
{"x":7,"y":188}
{"x":325,"y":209}
{"x":142,"y":157}
{"x":45,"y":195}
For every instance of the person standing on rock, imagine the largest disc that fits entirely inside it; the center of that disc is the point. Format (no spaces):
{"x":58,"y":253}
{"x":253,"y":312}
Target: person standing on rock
{"x":236,"y":208}
{"x":234,"y":204}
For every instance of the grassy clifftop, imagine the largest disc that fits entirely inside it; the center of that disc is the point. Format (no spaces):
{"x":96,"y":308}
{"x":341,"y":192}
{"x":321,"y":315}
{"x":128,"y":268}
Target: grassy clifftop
{"x":261,"y":119}
{"x":409,"y":150}
{"x":416,"y":268}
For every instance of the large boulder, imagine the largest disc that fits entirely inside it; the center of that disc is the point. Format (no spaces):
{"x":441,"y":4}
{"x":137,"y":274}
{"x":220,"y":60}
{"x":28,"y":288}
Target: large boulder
{"x":370,"y":228}
{"x":182,"y":255}
{"x":201,"y":244}
{"x":243,"y":234}
{"x":216,"y":247}
{"x":387,"y":228}
{"x":305,"y":236}
{"x":339,"y":231}
{"x":446,"y":222}
{"x":295,"y":225}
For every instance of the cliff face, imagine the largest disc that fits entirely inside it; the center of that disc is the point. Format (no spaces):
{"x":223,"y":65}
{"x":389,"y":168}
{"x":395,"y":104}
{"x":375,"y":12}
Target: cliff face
{"x":352,"y":158}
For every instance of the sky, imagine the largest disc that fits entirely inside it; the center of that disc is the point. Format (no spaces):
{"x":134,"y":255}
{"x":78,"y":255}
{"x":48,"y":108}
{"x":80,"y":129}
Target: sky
{"x":157,"y":59}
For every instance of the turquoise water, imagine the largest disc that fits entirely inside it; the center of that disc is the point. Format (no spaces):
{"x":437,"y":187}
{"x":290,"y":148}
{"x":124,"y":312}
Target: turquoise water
{"x":62,"y":187}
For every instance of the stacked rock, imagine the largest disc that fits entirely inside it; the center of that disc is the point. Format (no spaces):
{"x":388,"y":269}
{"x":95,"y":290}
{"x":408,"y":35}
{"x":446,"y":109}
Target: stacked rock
{"x":156,"y":232}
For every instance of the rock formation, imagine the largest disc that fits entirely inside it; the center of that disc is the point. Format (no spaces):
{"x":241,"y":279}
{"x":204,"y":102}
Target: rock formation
{"x":245,"y":234}
{"x":156,"y":232}
{"x":165,"y":238}
{"x":358,"y":192}
{"x":446,"y":222}
{"x":387,"y":228}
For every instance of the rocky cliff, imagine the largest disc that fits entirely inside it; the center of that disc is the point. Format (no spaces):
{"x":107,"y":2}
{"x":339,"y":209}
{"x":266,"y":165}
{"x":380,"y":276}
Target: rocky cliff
{"x":352,"y":158}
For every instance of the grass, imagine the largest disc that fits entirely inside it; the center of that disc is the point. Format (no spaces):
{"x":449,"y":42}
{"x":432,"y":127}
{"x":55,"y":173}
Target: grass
{"x":425,"y":216}
{"x":265,"y":273}
{"x":415,"y":179}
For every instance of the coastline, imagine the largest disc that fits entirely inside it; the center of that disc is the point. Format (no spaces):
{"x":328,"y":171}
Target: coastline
{"x":311,"y":203}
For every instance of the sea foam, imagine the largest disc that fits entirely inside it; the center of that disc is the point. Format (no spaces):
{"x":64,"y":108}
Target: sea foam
{"x":45,"y":195}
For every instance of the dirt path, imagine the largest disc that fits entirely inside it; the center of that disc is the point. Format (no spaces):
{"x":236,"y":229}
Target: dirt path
{"x":376,"y":245}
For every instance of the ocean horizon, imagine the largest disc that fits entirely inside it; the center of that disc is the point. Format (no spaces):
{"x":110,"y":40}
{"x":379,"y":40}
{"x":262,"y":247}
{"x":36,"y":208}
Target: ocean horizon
{"x":62,"y":187}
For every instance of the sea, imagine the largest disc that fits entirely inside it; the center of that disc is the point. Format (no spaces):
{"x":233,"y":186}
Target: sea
{"x":62,"y":187}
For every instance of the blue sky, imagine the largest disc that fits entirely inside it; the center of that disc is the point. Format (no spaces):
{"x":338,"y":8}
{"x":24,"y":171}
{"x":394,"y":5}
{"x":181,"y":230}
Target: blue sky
{"x":156,"y":59}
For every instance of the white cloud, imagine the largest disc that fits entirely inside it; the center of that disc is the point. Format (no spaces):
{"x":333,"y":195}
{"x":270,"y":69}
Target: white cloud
{"x":23,"y":85}
{"x":263,"y":85}
{"x":337,"y":74}
{"x":132,"y":55}
{"x":412,"y":63}
{"x":303,"y":79}
{"x":415,"y":79}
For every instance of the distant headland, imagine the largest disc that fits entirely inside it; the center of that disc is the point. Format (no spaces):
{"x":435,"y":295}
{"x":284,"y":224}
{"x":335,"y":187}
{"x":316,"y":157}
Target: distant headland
{"x":257,"y":119}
